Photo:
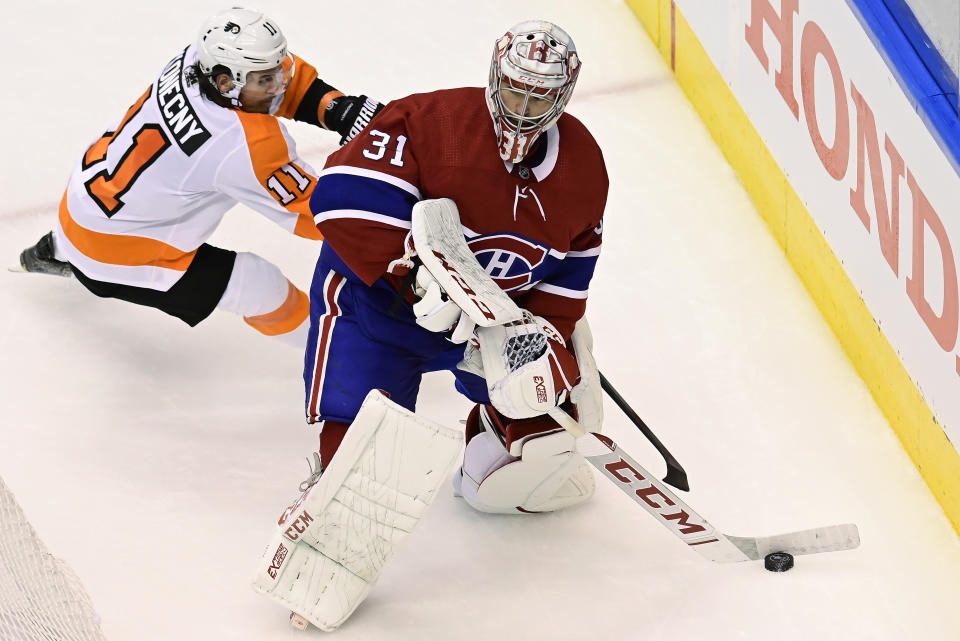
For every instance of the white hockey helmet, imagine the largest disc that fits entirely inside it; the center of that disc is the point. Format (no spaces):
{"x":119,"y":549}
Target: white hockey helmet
{"x":532,"y":75}
{"x":243,"y":41}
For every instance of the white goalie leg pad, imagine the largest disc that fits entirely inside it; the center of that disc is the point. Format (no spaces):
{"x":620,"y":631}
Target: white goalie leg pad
{"x":548,"y":474}
{"x":331,"y":545}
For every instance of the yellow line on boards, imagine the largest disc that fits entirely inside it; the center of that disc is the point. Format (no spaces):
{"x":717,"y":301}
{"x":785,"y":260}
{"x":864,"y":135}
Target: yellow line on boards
{"x":821,"y":272}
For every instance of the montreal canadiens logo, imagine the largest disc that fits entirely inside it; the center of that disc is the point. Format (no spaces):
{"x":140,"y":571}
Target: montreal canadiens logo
{"x":507,"y":259}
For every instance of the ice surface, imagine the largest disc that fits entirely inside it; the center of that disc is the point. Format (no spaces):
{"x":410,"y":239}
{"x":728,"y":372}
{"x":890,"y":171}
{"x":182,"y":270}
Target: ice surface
{"x":155,"y":458}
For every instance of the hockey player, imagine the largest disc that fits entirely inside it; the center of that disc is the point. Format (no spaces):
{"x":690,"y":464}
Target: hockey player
{"x":205,"y":135}
{"x":530,"y":187}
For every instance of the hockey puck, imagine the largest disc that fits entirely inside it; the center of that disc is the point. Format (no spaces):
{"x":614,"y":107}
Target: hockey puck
{"x":778,"y":561}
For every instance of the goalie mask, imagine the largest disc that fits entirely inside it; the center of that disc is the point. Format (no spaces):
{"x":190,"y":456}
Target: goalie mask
{"x":254,"y":51}
{"x":532,"y":74}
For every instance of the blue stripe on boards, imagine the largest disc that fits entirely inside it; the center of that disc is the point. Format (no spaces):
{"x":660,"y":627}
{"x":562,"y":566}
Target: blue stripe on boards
{"x":935,"y":107}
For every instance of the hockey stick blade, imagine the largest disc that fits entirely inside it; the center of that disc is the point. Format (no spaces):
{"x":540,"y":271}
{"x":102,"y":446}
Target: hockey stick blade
{"x":691,"y":528}
{"x":833,"y":538}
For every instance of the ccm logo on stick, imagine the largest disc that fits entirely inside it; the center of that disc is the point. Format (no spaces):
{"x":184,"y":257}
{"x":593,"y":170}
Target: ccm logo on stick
{"x":653,"y":497}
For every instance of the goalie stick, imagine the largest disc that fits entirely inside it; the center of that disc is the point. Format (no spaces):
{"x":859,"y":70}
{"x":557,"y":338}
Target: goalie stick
{"x":441,"y":248}
{"x":678,"y":517}
{"x":438,"y":238}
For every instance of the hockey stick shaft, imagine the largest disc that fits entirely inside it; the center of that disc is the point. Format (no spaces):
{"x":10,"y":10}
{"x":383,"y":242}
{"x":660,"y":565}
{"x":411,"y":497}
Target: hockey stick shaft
{"x":686,"y":524}
{"x":676,"y":475}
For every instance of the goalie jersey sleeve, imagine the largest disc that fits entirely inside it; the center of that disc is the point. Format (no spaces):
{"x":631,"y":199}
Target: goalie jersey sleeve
{"x":535,"y":229}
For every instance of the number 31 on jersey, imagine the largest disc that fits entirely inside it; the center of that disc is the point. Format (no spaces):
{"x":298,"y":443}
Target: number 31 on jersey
{"x":380,"y":142}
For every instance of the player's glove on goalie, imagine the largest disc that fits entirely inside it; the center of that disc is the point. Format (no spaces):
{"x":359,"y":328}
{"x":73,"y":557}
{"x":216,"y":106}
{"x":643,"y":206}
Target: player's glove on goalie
{"x":527,"y":366}
{"x":348,"y":115}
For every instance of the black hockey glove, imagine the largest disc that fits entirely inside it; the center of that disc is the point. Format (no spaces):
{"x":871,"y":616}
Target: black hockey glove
{"x":348,"y":115}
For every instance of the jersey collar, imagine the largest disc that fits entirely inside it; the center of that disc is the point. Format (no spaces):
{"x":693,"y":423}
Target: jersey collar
{"x":546,"y":161}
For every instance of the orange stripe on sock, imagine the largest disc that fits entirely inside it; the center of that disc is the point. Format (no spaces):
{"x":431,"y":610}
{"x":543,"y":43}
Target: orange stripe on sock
{"x":114,"y":249}
{"x":285,"y":318}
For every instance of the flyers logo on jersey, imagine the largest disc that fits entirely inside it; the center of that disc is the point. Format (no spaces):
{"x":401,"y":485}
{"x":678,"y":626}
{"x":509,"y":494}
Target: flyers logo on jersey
{"x":509,"y":260}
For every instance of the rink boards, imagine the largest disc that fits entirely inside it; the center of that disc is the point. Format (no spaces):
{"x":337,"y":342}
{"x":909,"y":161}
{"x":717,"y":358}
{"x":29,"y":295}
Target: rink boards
{"x":853,"y":179}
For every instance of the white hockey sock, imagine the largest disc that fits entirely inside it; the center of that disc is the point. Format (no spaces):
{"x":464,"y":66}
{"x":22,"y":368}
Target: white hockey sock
{"x":268,"y":302}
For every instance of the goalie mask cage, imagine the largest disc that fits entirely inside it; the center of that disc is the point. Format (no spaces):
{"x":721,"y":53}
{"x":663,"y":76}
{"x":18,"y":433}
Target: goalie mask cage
{"x":40,"y":597}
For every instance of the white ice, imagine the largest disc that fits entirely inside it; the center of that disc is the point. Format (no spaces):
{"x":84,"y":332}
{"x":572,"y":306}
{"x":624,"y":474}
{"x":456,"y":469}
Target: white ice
{"x":155,"y":458}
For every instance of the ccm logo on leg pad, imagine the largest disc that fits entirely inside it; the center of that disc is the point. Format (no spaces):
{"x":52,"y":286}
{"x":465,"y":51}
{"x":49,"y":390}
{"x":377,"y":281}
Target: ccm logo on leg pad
{"x":298,"y":527}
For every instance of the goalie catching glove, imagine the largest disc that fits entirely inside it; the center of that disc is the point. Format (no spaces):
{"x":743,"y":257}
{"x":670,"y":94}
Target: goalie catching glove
{"x":526,"y":364}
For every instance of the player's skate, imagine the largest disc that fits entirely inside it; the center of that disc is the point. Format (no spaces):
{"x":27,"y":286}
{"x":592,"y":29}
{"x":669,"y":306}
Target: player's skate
{"x":332,"y":544}
{"x":39,"y":259}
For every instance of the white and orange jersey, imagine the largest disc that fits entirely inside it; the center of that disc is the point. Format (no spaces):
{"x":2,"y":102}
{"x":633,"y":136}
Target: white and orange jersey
{"x":146,"y":194}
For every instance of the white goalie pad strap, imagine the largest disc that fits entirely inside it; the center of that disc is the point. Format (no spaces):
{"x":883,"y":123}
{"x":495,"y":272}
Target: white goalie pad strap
{"x":587,"y":395}
{"x":440,"y":245}
{"x":331,"y":545}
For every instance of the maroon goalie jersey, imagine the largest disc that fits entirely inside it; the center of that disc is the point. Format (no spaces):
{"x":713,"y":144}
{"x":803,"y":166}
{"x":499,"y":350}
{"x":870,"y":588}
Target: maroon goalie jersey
{"x":535,"y":227}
